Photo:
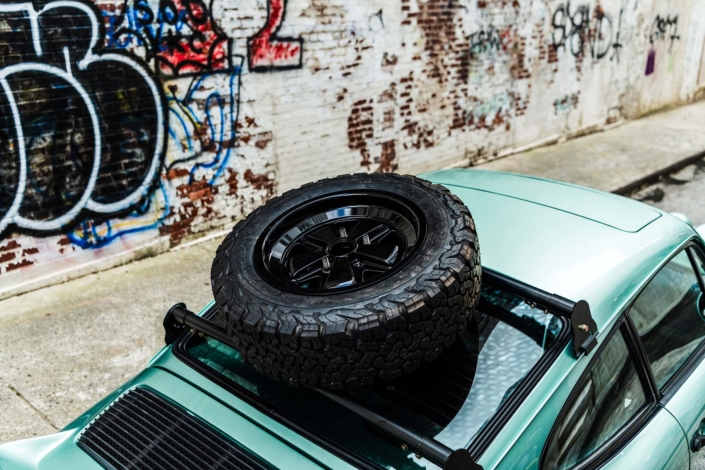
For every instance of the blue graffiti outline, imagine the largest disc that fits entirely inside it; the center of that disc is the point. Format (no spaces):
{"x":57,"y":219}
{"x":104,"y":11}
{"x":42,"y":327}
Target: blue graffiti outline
{"x":172,"y":133}
{"x":133,"y":36}
{"x":90,"y":238}
{"x":234,"y":117}
{"x":219,"y":161}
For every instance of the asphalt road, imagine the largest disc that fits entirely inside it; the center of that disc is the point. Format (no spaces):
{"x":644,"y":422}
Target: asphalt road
{"x":683,"y":192}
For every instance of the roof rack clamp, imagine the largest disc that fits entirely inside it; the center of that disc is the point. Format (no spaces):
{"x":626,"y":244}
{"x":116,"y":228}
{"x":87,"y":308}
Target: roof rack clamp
{"x":584,"y":328}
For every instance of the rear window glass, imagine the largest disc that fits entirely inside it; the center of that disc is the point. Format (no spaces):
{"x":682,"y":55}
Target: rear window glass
{"x":451,"y":399}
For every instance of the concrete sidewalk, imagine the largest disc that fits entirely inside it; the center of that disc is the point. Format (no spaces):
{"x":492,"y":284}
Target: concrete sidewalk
{"x":619,"y":159}
{"x":64,"y":347}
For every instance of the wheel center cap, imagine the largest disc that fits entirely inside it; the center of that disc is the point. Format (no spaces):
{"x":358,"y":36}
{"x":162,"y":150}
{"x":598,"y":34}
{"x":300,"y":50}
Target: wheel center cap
{"x":341,"y":247}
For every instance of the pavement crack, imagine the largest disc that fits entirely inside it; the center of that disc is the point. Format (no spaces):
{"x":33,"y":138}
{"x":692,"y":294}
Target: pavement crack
{"x":36,"y":410}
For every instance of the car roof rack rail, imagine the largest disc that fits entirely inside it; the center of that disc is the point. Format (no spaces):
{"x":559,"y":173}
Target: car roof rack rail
{"x":578,"y":313}
{"x":178,"y":319}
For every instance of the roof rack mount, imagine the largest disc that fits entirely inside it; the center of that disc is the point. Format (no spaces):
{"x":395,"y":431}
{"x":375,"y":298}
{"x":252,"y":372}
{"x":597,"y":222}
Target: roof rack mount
{"x":178,"y":319}
{"x":583,"y":325}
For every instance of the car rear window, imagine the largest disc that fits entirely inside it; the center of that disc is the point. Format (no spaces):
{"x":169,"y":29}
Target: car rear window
{"x":453,"y":399}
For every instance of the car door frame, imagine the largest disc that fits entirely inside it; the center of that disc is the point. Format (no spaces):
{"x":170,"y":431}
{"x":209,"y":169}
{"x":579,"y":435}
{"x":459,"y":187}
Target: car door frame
{"x":656,"y":398}
{"x":683,"y":373}
{"x":622,"y":437}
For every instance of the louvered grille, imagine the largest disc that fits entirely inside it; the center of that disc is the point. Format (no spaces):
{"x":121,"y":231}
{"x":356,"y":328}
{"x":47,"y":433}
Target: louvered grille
{"x":142,"y":430}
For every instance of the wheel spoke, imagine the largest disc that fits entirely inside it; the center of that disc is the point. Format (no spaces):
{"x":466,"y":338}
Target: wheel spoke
{"x":363,"y":227}
{"x":341,"y":274}
{"x":385,"y":254}
{"x":378,"y":233}
{"x":312,"y":243}
{"x":323,"y":235}
{"x":308,"y":277}
{"x":297,"y":264}
{"x":374,"y":231}
{"x":376,"y":267}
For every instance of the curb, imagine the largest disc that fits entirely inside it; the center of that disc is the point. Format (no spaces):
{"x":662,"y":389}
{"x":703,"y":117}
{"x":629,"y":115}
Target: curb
{"x":658,"y":175}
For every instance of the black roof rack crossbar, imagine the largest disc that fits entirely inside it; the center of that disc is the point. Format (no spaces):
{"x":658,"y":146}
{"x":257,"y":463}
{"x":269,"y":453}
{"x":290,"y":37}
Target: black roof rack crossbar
{"x":583,"y":326}
{"x":178,"y":319}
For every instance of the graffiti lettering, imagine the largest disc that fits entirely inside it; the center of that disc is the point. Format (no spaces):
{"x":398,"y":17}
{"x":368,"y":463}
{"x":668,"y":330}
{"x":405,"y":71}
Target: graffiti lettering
{"x":81,"y":128}
{"x":266,"y":50}
{"x":181,"y":37}
{"x":566,"y":103}
{"x":581,"y":33}
{"x":488,"y":40}
{"x":663,"y":29}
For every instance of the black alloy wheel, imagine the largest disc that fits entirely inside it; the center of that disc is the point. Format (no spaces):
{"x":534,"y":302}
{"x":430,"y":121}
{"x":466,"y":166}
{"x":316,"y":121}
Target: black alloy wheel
{"x":343,"y":247}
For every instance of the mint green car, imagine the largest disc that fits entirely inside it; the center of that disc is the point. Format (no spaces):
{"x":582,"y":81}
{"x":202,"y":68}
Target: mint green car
{"x":516,"y":389}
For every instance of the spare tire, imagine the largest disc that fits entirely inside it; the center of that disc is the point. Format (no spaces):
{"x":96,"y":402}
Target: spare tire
{"x":349,"y":280}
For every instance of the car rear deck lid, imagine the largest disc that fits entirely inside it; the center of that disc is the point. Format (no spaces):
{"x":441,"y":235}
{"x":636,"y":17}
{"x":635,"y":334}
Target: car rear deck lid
{"x":608,"y":209}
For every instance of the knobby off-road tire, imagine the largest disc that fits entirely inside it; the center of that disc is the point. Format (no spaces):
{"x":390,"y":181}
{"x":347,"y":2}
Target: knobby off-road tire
{"x":350,"y":335}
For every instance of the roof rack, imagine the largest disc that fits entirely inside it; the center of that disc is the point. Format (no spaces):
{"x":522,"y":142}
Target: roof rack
{"x":578,"y":313}
{"x":584,"y":329}
{"x":178,"y":319}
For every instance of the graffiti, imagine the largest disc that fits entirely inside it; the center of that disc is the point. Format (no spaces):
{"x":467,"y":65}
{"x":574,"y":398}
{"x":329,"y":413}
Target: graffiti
{"x":566,"y":103}
{"x":650,"y":62}
{"x":492,"y":113}
{"x":94,"y":234}
{"x":488,"y":40}
{"x":266,"y":50}
{"x":82,"y":128}
{"x":212,"y":130}
{"x":663,"y":29}
{"x":202,"y":125}
{"x":180,"y":36}
{"x":376,"y":22}
{"x":582,"y":33}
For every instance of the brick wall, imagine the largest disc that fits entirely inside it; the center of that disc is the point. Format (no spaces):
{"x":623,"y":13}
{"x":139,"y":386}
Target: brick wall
{"x":131,"y":126}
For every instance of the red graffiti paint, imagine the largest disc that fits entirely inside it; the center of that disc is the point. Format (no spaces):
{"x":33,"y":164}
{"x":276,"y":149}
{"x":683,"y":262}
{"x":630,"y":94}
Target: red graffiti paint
{"x":204,"y":46}
{"x":267,"y":50}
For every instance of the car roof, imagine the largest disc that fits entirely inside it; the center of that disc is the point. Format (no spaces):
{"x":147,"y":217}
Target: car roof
{"x":576,"y":242}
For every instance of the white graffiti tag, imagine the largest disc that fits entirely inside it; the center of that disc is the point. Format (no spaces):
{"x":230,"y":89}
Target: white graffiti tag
{"x":86,"y":201}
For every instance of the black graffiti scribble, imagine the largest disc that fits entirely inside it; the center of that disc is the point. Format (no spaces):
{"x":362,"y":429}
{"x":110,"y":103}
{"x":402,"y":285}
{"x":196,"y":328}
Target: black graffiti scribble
{"x":487,"y":40}
{"x":663,"y":29}
{"x":582,"y":33}
{"x":82,"y":127}
{"x":617,"y":46}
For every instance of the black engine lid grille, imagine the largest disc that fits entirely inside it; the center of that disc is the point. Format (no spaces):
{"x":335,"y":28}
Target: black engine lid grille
{"x":142,"y":430}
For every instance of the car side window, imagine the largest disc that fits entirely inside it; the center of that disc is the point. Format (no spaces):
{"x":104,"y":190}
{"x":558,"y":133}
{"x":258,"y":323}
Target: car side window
{"x":668,"y":319}
{"x":607,"y":396}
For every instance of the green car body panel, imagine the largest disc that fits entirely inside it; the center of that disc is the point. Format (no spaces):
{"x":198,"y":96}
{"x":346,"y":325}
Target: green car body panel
{"x":576,"y":242}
